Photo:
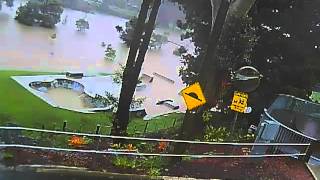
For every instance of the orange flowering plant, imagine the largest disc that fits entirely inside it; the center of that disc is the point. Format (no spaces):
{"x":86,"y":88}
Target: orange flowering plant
{"x":77,"y":141}
{"x":162,"y":146}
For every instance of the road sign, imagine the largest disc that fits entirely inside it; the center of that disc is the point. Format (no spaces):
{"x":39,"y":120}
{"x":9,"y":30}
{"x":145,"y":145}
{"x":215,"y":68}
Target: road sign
{"x":193,"y":96}
{"x":239,"y":102}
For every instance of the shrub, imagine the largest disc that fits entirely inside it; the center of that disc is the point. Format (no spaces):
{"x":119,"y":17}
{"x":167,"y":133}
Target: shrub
{"x":7,"y":155}
{"x":124,"y":162}
{"x":110,"y":53}
{"x":82,"y":24}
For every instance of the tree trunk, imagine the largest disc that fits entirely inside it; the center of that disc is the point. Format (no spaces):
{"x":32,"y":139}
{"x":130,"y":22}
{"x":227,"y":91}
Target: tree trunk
{"x":137,"y":35}
{"x":193,"y":123}
{"x":210,"y":77}
{"x":241,"y":8}
{"x":132,"y":71}
{"x":121,"y":119}
{"x":148,"y":33}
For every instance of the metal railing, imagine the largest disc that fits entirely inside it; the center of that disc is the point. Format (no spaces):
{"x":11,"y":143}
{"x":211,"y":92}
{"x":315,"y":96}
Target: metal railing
{"x":278,"y":122}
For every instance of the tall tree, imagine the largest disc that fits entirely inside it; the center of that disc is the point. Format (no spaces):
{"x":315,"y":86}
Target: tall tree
{"x":286,"y":52}
{"x":137,"y":52}
{"x":205,"y":64}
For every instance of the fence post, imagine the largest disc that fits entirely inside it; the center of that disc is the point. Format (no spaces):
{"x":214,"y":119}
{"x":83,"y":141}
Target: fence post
{"x":64,"y":126}
{"x":134,"y":129}
{"x":312,"y":149}
{"x":98,"y":129}
{"x":174,"y":122}
{"x":145,"y":128}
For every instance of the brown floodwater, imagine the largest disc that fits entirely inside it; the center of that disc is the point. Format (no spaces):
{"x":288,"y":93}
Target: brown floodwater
{"x":31,"y":48}
{"x":74,"y":101}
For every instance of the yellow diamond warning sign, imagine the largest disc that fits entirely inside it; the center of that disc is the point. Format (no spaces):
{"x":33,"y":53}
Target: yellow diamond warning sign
{"x":193,"y":96}
{"x":239,"y":102}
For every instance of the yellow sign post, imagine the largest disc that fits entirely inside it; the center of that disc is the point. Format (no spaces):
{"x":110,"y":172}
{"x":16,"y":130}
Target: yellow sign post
{"x":193,"y":96}
{"x":239,"y":102}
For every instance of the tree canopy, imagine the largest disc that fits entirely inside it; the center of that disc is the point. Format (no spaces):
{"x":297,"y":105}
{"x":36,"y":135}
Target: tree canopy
{"x":127,"y":33}
{"x":279,"y":38}
{"x":44,"y":13}
{"x":142,"y":33}
{"x":287,"y":52}
{"x":82,"y":24}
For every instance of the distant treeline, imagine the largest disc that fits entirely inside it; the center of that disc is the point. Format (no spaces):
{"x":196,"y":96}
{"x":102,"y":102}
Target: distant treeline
{"x":121,"y":8}
{"x":168,"y":14}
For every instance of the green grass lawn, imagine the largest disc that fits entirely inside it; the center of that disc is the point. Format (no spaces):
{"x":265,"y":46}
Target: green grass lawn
{"x":315,"y":96}
{"x":19,"y":106}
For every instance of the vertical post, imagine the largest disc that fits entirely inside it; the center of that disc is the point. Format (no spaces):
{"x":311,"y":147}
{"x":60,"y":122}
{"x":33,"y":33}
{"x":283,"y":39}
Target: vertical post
{"x":54,"y":126}
{"x":42,"y":126}
{"x":314,"y":148}
{"x":174,"y":122}
{"x":234,"y":123}
{"x":145,"y":128}
{"x":64,"y":126}
{"x":98,"y":128}
{"x":134,"y":130}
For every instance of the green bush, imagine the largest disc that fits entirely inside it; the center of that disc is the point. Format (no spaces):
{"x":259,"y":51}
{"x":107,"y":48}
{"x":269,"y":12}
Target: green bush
{"x":152,"y":165}
{"x":127,"y":34}
{"x":82,"y":24}
{"x":7,"y":156}
{"x":124,"y":162}
{"x":110,"y":53}
{"x":154,"y":172}
{"x":222,"y":134}
{"x":216,"y":134}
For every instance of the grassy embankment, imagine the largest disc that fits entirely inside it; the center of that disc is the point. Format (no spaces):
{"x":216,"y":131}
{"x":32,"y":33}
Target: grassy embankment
{"x":21,"y":107}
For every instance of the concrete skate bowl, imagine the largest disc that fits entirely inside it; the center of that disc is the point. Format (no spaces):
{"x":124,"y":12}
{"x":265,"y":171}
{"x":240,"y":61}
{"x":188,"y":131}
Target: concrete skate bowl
{"x":67,"y":94}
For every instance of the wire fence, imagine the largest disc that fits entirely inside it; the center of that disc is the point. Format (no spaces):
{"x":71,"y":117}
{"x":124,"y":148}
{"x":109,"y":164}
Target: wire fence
{"x":50,"y":140}
{"x":150,"y":154}
{"x":135,"y":128}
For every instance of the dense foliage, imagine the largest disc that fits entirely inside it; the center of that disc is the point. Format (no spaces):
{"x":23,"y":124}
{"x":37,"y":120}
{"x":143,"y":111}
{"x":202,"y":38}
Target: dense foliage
{"x":82,"y":24}
{"x":126,"y":35}
{"x":279,"y":38}
{"x":195,"y":27}
{"x":110,"y":53}
{"x":44,"y":13}
{"x":288,"y":51}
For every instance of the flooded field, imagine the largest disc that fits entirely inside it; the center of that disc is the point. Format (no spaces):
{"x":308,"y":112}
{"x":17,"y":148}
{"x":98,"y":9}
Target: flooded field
{"x":31,"y":48}
{"x":25,"y":47}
